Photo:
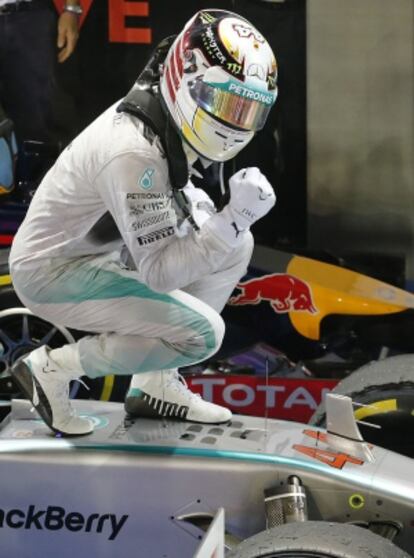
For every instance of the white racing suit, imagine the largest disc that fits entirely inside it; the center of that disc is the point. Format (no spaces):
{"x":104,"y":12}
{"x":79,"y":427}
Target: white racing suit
{"x":162,"y":311}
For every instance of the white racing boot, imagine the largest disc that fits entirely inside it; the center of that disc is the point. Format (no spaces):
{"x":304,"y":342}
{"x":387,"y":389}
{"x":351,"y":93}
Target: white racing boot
{"x":46,"y":384}
{"x":165,"y":394}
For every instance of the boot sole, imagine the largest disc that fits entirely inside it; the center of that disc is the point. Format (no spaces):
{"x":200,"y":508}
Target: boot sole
{"x":24,"y":378}
{"x":142,"y":409}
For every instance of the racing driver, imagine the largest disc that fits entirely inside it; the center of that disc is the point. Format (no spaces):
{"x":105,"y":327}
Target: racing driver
{"x":118,"y":242}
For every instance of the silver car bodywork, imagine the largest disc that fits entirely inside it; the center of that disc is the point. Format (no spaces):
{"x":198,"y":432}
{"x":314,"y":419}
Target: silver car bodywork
{"x":135,"y":487}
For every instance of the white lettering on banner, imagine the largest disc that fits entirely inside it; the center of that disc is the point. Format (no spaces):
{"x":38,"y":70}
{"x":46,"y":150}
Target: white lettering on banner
{"x":270,"y":392}
{"x":207,"y":385}
{"x":299,"y":396}
{"x":248,"y":391}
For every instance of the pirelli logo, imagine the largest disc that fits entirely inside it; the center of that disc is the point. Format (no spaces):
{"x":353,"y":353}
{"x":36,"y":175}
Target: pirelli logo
{"x":154,"y":236}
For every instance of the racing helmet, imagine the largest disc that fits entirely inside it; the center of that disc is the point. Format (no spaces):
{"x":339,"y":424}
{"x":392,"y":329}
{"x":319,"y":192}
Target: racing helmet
{"x":219,"y":82}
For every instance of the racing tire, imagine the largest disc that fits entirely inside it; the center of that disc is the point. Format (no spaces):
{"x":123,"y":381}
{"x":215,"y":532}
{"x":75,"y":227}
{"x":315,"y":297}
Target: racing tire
{"x":317,"y":539}
{"x":387,"y":386}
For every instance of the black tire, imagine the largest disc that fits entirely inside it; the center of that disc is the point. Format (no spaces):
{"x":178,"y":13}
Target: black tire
{"x":388,"y":386}
{"x":317,"y":539}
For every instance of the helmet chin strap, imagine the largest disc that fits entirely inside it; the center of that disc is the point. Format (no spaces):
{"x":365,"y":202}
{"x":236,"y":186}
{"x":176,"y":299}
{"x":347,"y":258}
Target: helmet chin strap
{"x":192,"y":158}
{"x":192,"y":155}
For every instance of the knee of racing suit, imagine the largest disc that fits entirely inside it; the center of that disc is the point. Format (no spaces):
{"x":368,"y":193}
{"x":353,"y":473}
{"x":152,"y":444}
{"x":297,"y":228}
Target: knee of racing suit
{"x":23,"y":285}
{"x":110,"y":353}
{"x":206,"y":343}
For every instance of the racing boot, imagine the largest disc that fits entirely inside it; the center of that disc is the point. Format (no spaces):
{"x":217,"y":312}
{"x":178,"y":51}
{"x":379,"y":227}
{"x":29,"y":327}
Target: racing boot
{"x":165,"y":394}
{"x":46,"y":384}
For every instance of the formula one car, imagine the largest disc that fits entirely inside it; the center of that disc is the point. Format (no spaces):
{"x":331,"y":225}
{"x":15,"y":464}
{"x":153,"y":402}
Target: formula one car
{"x":297,"y":327}
{"x":141,"y":487}
{"x":339,"y":325}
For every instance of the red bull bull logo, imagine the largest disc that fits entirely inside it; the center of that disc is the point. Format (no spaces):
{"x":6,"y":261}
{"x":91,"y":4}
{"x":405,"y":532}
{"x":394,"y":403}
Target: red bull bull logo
{"x":284,"y":292}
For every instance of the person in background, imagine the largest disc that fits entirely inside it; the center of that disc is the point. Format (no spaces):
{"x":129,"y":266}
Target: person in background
{"x":32,"y":40}
{"x":8,"y":152}
{"x":118,"y":242}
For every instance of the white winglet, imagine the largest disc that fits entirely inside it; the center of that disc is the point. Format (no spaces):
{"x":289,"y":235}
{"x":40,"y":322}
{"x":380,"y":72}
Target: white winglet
{"x":342,"y":430}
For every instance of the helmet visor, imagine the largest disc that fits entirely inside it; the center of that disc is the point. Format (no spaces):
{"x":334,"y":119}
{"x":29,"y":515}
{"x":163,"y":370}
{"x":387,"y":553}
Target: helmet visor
{"x":234,"y":103}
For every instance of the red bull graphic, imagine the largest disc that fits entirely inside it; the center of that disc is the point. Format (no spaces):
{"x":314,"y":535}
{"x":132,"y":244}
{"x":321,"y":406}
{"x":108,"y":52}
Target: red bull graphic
{"x":284,"y":292}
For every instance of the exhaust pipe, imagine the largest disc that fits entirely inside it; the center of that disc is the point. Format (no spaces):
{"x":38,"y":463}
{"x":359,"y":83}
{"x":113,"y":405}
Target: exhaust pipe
{"x":286,"y":504}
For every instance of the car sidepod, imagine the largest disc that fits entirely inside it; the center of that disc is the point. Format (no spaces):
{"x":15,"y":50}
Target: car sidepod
{"x":142,"y":484}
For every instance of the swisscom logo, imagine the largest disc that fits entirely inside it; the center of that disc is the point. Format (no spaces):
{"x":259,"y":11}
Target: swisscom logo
{"x":56,"y":518}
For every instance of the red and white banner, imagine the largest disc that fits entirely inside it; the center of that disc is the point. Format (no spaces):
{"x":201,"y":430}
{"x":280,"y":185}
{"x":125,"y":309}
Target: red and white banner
{"x":286,"y":399}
